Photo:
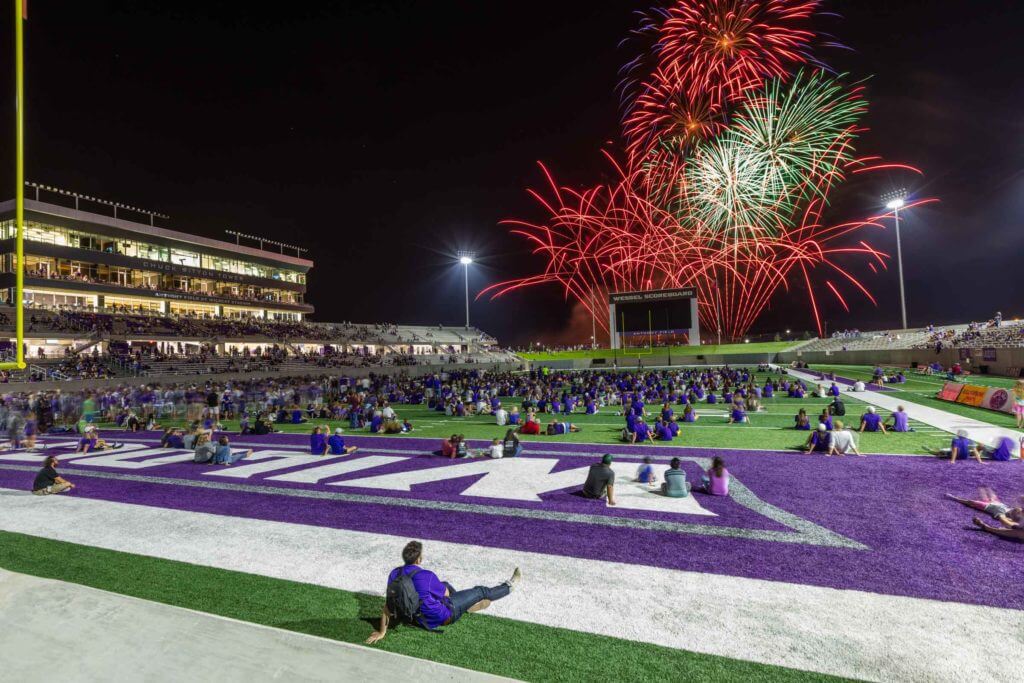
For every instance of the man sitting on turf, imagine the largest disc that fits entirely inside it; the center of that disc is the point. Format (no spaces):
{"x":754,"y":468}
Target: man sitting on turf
{"x":601,"y":480}
{"x":841,"y":441}
{"x":48,"y":481}
{"x":439,"y":603}
{"x":960,"y":448}
{"x":900,"y":420}
{"x":675,"y":484}
{"x":337,"y":446}
{"x":871,"y":421}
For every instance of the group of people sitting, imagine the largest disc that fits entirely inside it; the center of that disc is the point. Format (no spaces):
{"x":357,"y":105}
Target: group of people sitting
{"x":600,"y":482}
{"x":833,"y":437}
{"x":456,"y":446}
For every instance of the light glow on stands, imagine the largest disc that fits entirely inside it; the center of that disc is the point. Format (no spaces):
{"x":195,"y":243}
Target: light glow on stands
{"x":78,"y":196}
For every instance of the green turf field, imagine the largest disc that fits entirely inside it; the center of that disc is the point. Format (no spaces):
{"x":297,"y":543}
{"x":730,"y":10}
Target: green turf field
{"x":545,"y":653}
{"x":703,"y":350}
{"x":921,"y":389}
{"x":770,"y":429}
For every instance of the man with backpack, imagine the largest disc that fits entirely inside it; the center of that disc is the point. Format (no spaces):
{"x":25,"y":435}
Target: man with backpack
{"x":417,"y":596}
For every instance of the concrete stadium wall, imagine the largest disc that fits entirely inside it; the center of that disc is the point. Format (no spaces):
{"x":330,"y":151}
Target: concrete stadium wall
{"x":78,"y":385}
{"x":657,"y":360}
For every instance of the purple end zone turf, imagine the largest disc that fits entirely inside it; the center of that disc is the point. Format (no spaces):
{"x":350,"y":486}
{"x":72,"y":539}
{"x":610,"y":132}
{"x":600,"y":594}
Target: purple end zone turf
{"x":918,"y":543}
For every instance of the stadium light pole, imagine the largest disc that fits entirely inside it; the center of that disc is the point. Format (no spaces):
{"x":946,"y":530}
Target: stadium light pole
{"x":466,"y":258}
{"x":895,"y":201}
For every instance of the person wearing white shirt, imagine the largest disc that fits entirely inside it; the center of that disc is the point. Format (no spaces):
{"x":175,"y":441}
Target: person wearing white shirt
{"x":841,"y":441}
{"x":497,"y":450}
{"x":501,"y":416}
{"x":858,"y":386}
{"x":388,"y":412}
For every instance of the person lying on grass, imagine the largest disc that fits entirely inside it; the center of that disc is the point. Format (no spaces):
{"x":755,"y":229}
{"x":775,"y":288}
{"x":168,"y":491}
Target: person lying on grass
{"x":92,"y":442}
{"x":556,"y":428}
{"x":1016,"y":534}
{"x":416,"y":596}
{"x":871,"y":421}
{"x":990,"y":504}
{"x":47,"y":481}
{"x":960,"y":448}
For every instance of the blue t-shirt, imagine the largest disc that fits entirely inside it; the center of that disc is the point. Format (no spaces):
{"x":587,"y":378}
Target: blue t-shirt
{"x":336,"y":444}
{"x":642,"y":431}
{"x":317,"y":443}
{"x":738,"y":415}
{"x":434,"y":606}
{"x":962,"y":446}
{"x":871,"y":421}
{"x":664,"y":432}
{"x":646,"y":474}
{"x":296,"y":417}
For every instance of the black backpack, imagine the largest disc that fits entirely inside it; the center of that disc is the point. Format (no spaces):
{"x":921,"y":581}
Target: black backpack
{"x":402,"y":599}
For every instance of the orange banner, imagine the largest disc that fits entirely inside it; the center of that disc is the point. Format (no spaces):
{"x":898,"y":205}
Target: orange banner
{"x":971,"y":395}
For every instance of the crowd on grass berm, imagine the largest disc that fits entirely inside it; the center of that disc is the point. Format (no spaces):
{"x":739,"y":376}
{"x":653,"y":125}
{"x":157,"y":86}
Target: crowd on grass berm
{"x":415,"y":595}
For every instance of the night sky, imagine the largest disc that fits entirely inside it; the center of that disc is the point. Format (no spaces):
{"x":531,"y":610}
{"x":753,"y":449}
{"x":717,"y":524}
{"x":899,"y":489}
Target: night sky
{"x":385,"y":136}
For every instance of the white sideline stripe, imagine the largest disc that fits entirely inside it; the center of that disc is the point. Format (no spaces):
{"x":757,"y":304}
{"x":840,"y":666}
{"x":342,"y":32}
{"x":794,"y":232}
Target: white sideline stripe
{"x":982,"y":432}
{"x":105,"y":636}
{"x":841,"y":632}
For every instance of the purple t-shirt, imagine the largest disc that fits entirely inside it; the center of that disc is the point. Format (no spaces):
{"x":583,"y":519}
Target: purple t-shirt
{"x":433,"y":604}
{"x":900,"y":422}
{"x":962,"y":446}
{"x":719,"y":485}
{"x":317,"y":443}
{"x":738,"y":415}
{"x":871,"y":421}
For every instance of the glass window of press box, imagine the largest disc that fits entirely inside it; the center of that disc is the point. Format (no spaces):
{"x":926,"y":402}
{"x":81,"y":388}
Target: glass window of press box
{"x":68,"y":237}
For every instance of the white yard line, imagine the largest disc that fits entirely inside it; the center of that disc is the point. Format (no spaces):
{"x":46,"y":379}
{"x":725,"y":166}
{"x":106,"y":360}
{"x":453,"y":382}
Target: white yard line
{"x":841,"y":632}
{"x":979,"y":431}
{"x":103,"y":636}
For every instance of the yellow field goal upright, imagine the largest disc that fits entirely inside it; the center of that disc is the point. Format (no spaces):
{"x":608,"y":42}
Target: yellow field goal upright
{"x":20,"y":11}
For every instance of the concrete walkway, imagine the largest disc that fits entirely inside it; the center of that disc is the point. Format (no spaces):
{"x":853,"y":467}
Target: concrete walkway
{"x":57,"y":630}
{"x":981,"y":432}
